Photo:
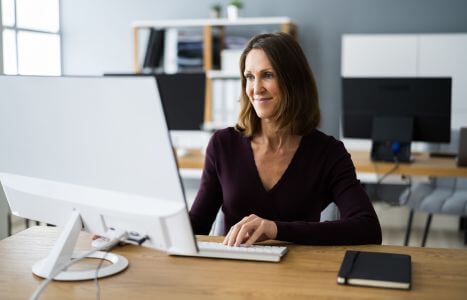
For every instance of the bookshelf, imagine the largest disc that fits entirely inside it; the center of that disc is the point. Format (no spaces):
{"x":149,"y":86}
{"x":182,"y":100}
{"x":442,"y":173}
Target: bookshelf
{"x":208,"y":26}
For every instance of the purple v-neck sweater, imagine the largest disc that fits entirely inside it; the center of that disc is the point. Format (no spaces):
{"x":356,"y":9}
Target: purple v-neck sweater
{"x":320,"y":172}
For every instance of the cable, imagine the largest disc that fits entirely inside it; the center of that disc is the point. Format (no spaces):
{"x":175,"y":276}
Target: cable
{"x":409,"y":191}
{"x":378,"y":182}
{"x":40,"y":289}
{"x":96,"y":277}
{"x":130,"y":239}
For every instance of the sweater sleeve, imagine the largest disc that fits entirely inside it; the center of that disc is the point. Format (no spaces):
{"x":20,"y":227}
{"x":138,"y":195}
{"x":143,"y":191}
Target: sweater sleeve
{"x":358,"y":223}
{"x":209,"y":197}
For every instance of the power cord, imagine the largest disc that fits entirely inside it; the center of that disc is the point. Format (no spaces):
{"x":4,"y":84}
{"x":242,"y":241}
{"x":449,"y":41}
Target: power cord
{"x":96,"y":277}
{"x":131,"y":238}
{"x":40,"y":289}
{"x":409,"y":191}
{"x":380,"y":180}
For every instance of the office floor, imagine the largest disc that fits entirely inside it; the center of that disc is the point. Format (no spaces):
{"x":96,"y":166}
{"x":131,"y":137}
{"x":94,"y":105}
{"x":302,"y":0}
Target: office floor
{"x":444,"y":231}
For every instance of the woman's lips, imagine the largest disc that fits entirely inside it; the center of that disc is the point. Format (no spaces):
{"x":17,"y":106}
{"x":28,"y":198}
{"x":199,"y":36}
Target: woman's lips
{"x":263,"y":99}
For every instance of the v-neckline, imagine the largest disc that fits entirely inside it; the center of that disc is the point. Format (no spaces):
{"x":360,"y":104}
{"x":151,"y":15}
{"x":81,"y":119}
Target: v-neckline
{"x":287,"y":170}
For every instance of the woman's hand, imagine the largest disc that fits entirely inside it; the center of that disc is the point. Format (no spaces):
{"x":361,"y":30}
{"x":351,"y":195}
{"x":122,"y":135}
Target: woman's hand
{"x":249,"y":230}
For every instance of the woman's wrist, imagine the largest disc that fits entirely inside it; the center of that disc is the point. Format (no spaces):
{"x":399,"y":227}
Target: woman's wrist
{"x":272,"y":230}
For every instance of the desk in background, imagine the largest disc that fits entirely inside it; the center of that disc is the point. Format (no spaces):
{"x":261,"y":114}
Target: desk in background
{"x":423,"y":164}
{"x":306,"y":272}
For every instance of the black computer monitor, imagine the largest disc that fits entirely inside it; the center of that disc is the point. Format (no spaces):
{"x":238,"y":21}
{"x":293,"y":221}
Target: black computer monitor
{"x":395,"y":111}
{"x":183,"y":96}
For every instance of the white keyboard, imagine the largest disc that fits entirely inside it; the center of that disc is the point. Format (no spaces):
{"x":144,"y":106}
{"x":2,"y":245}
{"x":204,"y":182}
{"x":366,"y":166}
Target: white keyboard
{"x":255,"y":252}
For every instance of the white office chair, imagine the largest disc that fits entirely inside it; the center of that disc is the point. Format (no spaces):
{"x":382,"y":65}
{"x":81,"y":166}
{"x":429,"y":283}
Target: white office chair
{"x":442,"y":195}
{"x":439,"y":196}
{"x":217,"y":228}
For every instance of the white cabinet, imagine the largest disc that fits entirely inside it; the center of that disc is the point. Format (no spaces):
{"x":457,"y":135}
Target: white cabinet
{"x":411,"y":55}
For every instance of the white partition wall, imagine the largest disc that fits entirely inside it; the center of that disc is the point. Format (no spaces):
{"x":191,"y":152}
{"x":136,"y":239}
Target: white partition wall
{"x":387,"y":55}
{"x":446,"y":55}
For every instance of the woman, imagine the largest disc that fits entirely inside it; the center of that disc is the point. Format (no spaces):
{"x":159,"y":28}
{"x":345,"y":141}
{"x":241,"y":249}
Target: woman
{"x":274,"y":173}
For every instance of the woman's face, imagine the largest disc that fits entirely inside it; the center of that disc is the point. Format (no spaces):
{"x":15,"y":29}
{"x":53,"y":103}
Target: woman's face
{"x":262,"y":86}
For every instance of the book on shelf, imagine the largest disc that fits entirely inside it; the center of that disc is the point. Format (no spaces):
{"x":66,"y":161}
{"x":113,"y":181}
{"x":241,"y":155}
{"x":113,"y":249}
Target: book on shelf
{"x":232,"y":103}
{"x":218,"y":101}
{"x":170,"y":51}
{"x":376,"y":269}
{"x":154,"y":50}
{"x":225,"y":102}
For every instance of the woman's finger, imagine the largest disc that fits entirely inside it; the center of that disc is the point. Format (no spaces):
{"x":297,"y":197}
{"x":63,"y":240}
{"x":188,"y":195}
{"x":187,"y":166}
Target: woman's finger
{"x":236,"y":228}
{"x":259,"y":231}
{"x":244,"y":232}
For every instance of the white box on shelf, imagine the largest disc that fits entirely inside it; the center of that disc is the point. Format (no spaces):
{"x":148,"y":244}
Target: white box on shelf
{"x":230,"y":60}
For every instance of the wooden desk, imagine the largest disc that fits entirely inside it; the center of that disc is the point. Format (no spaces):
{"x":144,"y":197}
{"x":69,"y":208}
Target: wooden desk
{"x":306,"y":272}
{"x":194,"y":159}
{"x":423,"y":164}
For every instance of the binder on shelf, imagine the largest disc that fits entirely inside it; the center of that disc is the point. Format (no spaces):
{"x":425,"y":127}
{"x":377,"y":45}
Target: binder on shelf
{"x":231,"y":99}
{"x":217,"y":101}
{"x":154,"y":50}
{"x":171,"y":51}
{"x":376,"y":269}
{"x":225,"y":102}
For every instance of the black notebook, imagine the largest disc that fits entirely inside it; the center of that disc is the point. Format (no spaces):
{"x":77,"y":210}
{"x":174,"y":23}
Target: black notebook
{"x":376,"y":269}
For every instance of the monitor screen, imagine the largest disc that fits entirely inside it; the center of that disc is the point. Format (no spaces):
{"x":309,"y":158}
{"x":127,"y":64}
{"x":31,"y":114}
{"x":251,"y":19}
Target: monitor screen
{"x":183,"y":96}
{"x":427,"y":101}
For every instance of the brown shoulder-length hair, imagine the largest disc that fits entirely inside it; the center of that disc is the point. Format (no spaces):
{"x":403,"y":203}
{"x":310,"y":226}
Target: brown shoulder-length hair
{"x":298,"y":111}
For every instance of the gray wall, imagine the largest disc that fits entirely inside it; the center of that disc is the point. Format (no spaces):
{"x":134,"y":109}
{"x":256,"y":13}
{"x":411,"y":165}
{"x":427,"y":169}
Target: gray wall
{"x":97,"y":34}
{"x":1,"y":44}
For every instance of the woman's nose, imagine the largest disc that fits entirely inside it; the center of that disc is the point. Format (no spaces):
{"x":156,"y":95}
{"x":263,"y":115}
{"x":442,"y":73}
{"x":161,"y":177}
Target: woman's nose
{"x":258,"y":87}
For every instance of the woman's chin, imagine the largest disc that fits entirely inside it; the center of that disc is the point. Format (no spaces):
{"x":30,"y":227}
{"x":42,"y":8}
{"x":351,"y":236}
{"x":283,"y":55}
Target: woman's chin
{"x":264,"y":113}
{"x":265,"y":116}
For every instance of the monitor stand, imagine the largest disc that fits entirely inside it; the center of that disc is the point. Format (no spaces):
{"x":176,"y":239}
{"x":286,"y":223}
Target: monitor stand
{"x":62,"y":253}
{"x":390,"y":151}
{"x":392,"y":136}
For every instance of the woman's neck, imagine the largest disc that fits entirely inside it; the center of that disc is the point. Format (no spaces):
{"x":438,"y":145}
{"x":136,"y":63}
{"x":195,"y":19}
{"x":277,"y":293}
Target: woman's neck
{"x":274,"y":139}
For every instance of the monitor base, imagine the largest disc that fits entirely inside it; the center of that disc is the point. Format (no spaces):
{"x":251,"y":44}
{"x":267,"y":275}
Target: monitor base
{"x":62,"y":253}
{"x":119,"y":264}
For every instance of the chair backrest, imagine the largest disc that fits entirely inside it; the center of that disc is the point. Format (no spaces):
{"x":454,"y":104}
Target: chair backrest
{"x":445,"y":182}
{"x":330,"y":213}
{"x":462,"y":183}
{"x":217,"y":228}
{"x":443,"y":195}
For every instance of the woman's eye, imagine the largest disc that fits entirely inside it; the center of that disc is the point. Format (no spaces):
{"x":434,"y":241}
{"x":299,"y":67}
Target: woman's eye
{"x":268,"y":75}
{"x":249,"y":77}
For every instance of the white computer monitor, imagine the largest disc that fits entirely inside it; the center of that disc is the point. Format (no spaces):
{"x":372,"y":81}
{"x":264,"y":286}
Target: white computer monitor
{"x":91,"y":152}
